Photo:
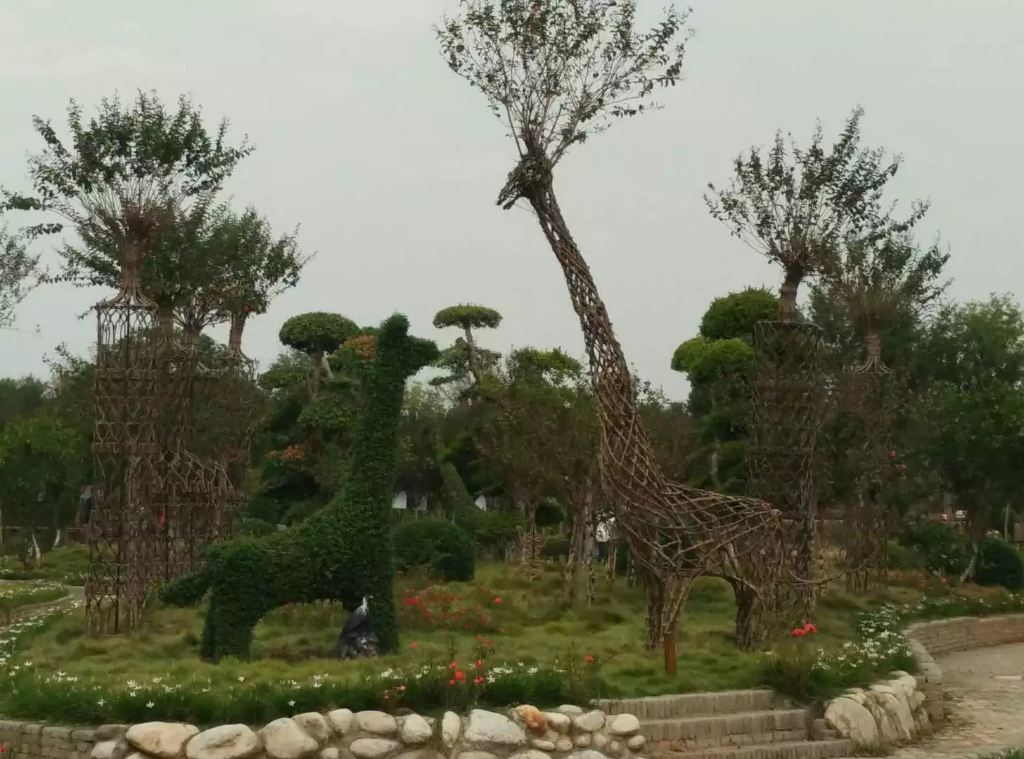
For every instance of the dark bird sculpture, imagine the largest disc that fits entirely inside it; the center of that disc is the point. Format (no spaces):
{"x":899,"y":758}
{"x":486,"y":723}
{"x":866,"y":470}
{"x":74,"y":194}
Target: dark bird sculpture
{"x":357,"y":638}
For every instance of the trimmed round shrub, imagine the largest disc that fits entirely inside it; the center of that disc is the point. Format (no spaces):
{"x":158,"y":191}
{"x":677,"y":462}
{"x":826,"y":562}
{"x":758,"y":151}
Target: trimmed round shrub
{"x":443,"y":548}
{"x":555,"y":548}
{"x":903,"y":557}
{"x":317,"y":332}
{"x":1000,"y":564}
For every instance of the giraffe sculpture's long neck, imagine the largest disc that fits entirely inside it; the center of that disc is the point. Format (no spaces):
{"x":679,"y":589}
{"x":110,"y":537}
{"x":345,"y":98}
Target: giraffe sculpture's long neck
{"x":624,"y":442}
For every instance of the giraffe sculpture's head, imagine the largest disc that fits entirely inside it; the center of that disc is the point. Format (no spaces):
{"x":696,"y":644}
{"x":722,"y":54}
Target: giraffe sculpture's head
{"x":396,"y":347}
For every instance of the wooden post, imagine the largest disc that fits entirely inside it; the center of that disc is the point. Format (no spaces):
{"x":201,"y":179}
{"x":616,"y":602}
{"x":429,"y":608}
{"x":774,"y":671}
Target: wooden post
{"x":671,"y":660}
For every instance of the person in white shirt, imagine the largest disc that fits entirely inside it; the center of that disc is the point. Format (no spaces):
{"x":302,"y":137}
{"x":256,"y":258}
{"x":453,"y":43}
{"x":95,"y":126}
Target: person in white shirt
{"x":604,"y":537}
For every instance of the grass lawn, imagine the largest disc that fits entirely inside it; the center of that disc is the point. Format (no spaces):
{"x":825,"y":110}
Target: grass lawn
{"x":15,"y":594}
{"x":526,"y":620}
{"x":68,"y":566}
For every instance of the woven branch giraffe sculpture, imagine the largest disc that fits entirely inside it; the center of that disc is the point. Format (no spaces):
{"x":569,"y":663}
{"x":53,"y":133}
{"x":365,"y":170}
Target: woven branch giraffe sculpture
{"x":675,"y":532}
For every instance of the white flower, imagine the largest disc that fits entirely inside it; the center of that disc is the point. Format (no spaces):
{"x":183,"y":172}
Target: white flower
{"x":150,"y":704}
{"x":101,"y":703}
{"x":291,"y":703}
{"x":241,"y":679}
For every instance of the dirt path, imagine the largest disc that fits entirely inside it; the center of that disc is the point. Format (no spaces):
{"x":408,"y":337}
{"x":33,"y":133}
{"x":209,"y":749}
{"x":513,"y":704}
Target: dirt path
{"x":987,"y":688}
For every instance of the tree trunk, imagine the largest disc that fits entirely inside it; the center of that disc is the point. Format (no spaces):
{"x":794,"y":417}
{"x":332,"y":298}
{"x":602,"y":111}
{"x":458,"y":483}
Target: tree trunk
{"x":165,"y":320}
{"x":751,"y":627}
{"x":788,"y":293}
{"x":472,"y":357}
{"x":314,"y":380}
{"x":235,"y":334}
{"x":713,"y":464}
{"x":972,"y":565}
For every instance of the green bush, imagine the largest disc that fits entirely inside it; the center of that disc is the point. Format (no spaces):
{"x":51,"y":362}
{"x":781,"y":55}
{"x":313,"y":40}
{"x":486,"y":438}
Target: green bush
{"x":1000,"y":564}
{"x":438,"y":545}
{"x":256,"y":527}
{"x":943,"y":548}
{"x":903,"y":557}
{"x":494,"y":530}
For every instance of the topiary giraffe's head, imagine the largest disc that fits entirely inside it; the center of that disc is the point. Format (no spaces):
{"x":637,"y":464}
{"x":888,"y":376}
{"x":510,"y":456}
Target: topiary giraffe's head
{"x":399,"y":349}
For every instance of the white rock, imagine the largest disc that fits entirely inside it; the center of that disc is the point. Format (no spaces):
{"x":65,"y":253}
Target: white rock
{"x":542,"y":745}
{"x":590,"y":722}
{"x":624,"y":724}
{"x":852,"y":720}
{"x":636,"y":743}
{"x":583,"y":740}
{"x":530,"y":755}
{"x":284,"y":739}
{"x":377,"y":723}
{"x":586,"y":755}
{"x":476,"y":755}
{"x":316,"y":725}
{"x":224,"y":742}
{"x":888,"y":733}
{"x":563,"y":744}
{"x":373,"y":748}
{"x":614,"y":748}
{"x":330,"y":753}
{"x":342,"y":720}
{"x":415,"y":730}
{"x":558,"y":722}
{"x":898,"y":707}
{"x":600,"y":740}
{"x":486,"y":727}
{"x":108,"y":750}
{"x":136,"y":755}
{"x":165,"y":740}
{"x":856,"y":694}
{"x":451,"y":727}
{"x":422,"y":753}
{"x":569,"y":710}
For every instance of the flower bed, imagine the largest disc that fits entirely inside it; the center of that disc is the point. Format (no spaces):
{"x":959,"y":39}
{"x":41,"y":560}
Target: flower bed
{"x":807,"y":672}
{"x":428,"y":686}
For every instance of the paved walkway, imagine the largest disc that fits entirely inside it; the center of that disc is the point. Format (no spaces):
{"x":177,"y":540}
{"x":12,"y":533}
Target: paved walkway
{"x":987,"y":688}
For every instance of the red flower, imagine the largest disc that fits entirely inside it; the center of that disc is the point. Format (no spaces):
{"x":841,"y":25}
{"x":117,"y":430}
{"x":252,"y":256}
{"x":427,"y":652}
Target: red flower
{"x":497,"y":601}
{"x":451,"y":683}
{"x":588,"y":659}
{"x":478,"y":680}
{"x":810,"y":628}
{"x":460,"y":675}
{"x":798,"y":632}
{"x":414,"y":644}
{"x":478,"y":664}
{"x":453,"y":665}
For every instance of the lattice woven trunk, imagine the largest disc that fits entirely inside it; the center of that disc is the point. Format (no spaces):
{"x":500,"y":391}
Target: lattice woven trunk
{"x":787,"y":411}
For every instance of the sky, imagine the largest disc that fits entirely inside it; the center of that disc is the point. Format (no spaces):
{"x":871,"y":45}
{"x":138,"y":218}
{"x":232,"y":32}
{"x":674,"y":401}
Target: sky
{"x":390,"y":164}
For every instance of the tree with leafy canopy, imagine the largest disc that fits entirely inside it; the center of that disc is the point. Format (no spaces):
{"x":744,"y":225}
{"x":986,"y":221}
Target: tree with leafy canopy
{"x":317,"y":334}
{"x":17,"y":273}
{"x":465,"y":359}
{"x":798,"y":206}
{"x":974,"y":357}
{"x":874,"y":291}
{"x":41,"y":466}
{"x":127,"y":175}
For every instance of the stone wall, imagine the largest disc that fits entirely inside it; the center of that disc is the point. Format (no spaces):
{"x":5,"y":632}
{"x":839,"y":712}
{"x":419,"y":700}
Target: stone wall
{"x":873,"y":719}
{"x":28,"y":740}
{"x":569,"y":732}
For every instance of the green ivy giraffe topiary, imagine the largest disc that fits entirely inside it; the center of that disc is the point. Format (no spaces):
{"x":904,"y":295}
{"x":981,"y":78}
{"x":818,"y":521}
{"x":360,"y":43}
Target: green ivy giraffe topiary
{"x":341,"y":552}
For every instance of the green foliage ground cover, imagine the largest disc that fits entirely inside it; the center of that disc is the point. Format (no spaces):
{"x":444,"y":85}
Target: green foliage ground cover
{"x":20,"y":593}
{"x":531,"y":649}
{"x":68,"y":566}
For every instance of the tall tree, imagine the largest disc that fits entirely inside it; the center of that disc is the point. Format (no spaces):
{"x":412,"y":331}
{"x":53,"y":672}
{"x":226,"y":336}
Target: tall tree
{"x":17,"y":270}
{"x":797,"y":205}
{"x":974,"y":356}
{"x":128,"y":175}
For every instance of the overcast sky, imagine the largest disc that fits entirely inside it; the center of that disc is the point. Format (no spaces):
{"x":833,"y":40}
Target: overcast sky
{"x":391,"y":164}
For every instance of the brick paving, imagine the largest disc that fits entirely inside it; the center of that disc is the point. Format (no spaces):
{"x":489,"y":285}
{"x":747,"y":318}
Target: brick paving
{"x":986,"y":686}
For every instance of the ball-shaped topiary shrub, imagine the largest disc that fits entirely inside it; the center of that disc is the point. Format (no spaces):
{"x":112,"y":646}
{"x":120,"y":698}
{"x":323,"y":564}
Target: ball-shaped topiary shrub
{"x":467,"y":316}
{"x":317,"y":332}
{"x":1000,"y":564}
{"x":734,"y":315}
{"x":943,"y":548}
{"x":445,"y":549}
